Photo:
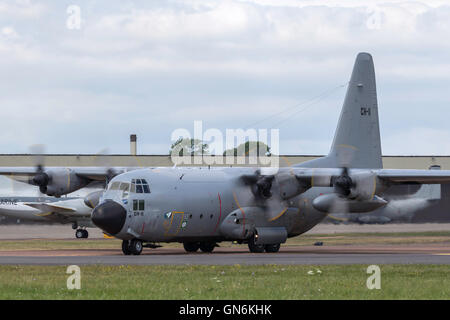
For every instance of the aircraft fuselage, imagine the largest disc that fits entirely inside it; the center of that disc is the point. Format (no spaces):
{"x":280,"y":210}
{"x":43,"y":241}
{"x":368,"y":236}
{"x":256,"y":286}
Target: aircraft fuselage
{"x":198,"y":204}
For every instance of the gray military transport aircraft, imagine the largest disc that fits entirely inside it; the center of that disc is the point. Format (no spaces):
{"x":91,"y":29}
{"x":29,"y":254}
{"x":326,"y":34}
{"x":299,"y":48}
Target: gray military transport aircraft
{"x":201,"y":207}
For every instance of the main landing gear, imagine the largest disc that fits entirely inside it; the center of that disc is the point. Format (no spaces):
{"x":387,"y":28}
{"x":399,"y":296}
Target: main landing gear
{"x":203,"y":246}
{"x":81,"y":234}
{"x":260,"y":248}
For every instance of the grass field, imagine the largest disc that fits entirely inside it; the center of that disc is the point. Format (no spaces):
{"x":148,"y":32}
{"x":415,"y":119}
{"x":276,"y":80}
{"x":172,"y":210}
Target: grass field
{"x":229,"y":282}
{"x":303,"y":240}
{"x":226,"y":282}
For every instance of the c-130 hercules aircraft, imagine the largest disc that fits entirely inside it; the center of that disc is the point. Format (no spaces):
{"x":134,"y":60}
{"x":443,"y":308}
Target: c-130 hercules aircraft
{"x":201,"y":207}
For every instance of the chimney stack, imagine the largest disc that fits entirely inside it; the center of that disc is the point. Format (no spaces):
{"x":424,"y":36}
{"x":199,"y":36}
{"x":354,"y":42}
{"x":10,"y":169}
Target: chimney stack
{"x":133,"y":146}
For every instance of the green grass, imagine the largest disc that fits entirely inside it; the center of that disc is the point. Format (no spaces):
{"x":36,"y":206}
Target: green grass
{"x":302,"y":240}
{"x":226,"y":282}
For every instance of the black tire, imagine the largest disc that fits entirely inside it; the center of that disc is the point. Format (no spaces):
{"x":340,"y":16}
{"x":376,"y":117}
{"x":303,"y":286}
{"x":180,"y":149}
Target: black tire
{"x":79,"y":233}
{"x":272,"y":247}
{"x":255,"y":248}
{"x":207,"y":246}
{"x":191,"y":246}
{"x":85,"y":234}
{"x":136,"y":247}
{"x":126,"y":247}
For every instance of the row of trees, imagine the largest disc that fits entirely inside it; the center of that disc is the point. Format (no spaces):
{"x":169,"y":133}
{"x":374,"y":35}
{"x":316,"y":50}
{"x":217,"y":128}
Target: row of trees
{"x":195,"y":147}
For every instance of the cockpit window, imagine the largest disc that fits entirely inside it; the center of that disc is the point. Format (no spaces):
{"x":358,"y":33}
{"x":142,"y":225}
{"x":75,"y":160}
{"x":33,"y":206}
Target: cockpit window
{"x":139,"y":186}
{"x":125,"y":186}
{"x":114,"y":186}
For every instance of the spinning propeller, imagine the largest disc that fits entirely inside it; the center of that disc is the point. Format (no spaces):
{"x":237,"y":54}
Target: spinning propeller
{"x":41,"y":178}
{"x":261,"y":186}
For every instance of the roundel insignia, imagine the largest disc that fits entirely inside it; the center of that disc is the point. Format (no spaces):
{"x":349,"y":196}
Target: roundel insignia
{"x":167,"y":215}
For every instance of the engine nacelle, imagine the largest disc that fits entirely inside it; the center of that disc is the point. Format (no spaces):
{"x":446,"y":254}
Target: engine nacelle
{"x":58,"y":182}
{"x":93,"y":198}
{"x":333,"y":203}
{"x":366,"y":186}
{"x":289,"y":185}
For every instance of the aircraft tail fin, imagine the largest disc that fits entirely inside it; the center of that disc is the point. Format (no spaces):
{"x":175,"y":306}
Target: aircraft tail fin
{"x":357,"y":142}
{"x":358,"y":126}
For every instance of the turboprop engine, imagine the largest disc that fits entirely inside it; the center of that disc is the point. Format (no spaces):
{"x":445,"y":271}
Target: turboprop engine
{"x":57,"y":182}
{"x":352,"y":193}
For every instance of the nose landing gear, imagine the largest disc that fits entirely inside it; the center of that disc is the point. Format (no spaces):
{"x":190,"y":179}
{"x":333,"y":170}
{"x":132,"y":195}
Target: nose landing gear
{"x":132,"y":247}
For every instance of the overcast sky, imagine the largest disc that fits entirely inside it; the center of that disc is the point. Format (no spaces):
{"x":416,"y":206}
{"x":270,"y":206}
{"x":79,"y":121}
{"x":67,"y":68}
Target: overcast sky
{"x":150,"y":67}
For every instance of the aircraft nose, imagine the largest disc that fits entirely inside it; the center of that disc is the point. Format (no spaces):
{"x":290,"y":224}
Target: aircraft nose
{"x":109,"y":216}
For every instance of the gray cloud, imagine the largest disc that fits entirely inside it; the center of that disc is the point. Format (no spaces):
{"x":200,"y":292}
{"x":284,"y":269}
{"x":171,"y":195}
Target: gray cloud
{"x":149,"y":68}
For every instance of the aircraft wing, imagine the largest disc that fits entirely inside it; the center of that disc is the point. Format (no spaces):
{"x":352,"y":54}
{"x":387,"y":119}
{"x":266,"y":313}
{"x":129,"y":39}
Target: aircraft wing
{"x":52,"y":208}
{"x":91,"y":173}
{"x":405,"y":176}
{"x":323,"y":176}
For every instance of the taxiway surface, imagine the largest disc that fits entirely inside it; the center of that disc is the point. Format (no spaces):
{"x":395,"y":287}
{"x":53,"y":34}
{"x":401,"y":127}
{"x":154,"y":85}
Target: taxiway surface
{"x":231,"y":256}
{"x":289,"y":254}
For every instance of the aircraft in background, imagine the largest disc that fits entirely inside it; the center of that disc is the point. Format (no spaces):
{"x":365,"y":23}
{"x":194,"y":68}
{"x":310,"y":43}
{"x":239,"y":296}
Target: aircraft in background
{"x":398,"y":209}
{"x":67,"y":210}
{"x":260,"y":206}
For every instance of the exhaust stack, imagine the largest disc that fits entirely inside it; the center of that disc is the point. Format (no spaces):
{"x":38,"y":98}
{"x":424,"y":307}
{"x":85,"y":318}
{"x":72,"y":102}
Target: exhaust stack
{"x":133,"y":146}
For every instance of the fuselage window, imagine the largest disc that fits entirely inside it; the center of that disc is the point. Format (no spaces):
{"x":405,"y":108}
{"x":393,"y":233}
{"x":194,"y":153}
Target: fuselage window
{"x":138,"y":205}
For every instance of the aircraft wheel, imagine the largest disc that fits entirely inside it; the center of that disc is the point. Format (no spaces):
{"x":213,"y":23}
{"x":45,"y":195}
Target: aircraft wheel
{"x":272,"y":247}
{"x":255,"y":248}
{"x":207,"y":246}
{"x":126,"y":247}
{"x":191,"y":246}
{"x":79,"y":233}
{"x":136,"y":247}
{"x":85,"y":234}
